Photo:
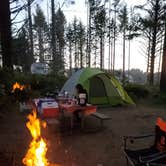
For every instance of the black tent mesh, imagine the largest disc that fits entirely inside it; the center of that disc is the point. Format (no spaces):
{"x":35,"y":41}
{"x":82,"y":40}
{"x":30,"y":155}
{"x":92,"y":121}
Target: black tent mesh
{"x":97,"y":88}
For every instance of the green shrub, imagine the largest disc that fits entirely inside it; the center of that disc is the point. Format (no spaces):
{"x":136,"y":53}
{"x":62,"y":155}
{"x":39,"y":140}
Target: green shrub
{"x":40,"y":84}
{"x":136,"y":90}
{"x":2,"y":90}
{"x":6,"y":76}
{"x":159,"y":99}
{"x":46,"y":83}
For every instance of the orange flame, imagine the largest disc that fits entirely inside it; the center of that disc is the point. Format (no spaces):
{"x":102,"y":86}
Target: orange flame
{"x":17,"y":86}
{"x":36,"y":154}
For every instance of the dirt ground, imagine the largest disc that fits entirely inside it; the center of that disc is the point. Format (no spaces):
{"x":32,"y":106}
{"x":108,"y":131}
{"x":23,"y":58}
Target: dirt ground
{"x":95,"y":148}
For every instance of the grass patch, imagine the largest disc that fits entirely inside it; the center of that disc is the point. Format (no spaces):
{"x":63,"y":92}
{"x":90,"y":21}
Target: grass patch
{"x":146,"y":95}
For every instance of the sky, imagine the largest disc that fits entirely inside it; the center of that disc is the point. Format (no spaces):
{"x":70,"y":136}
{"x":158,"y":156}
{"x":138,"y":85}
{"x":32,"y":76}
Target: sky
{"x":79,"y":10}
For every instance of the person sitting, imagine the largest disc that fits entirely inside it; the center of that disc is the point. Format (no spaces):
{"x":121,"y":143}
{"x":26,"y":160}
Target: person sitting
{"x":81,"y":95}
{"x":82,"y":98}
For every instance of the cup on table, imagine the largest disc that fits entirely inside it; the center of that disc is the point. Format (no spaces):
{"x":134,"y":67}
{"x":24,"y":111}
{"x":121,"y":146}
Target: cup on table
{"x":74,"y":101}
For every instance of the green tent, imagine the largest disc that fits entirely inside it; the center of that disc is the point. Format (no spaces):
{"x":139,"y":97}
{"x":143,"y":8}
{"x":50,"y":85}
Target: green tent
{"x":102,"y":89}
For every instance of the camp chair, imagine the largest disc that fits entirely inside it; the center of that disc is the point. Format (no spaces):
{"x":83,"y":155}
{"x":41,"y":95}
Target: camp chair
{"x":154,"y":155}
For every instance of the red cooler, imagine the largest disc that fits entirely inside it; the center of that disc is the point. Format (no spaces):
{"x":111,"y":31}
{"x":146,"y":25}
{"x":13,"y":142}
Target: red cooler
{"x":49,"y":109}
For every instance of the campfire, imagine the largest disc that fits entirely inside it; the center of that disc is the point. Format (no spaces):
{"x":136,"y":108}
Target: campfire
{"x":36,"y":154}
{"x":18,"y":86}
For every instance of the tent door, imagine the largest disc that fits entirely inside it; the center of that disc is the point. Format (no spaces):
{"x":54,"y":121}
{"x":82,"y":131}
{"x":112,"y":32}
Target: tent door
{"x":97,"y":91}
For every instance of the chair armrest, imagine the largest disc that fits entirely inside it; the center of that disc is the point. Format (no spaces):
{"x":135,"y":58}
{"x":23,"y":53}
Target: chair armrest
{"x":132,"y":138}
{"x":157,"y":164}
{"x":138,"y":137}
{"x":153,"y":157}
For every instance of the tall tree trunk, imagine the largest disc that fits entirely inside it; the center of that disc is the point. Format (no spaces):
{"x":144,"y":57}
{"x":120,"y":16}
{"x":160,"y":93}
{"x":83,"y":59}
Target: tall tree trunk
{"x":61,"y":56}
{"x":152,"y":58}
{"x":163,"y":71}
{"x":103,"y":49}
{"x":101,"y":52}
{"x":129,"y":56}
{"x":114,"y":52}
{"x":53,"y":37}
{"x":111,"y":56}
{"x":89,"y":35}
{"x":41,"y":49}
{"x":70,"y":57}
{"x":153,"y":49}
{"x":95,"y":52}
{"x":148,"y":61}
{"x":81,"y":56}
{"x":160,"y":55}
{"x":30,"y":28}
{"x":124,"y":45}
{"x":75,"y":54}
{"x":109,"y":40}
{"x":5,"y":34}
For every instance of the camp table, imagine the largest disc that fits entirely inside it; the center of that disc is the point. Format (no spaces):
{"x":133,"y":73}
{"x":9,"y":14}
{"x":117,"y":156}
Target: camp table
{"x":62,"y":99}
{"x":71,"y":108}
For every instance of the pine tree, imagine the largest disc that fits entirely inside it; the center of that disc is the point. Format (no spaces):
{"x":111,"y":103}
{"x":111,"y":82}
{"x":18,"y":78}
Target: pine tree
{"x":152,"y":22}
{"x":59,"y":39}
{"x":30,"y":28}
{"x":123,"y":18}
{"x":70,"y":39}
{"x":41,"y":33}
{"x":99,"y":23}
{"x":21,"y":51}
{"x":163,"y":70}
{"x":75,"y":41}
{"x":53,"y":38}
{"x":115,"y":32}
{"x":81,"y":42}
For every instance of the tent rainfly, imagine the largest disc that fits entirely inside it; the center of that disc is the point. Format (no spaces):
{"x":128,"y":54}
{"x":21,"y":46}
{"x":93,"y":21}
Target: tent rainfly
{"x":102,"y":88}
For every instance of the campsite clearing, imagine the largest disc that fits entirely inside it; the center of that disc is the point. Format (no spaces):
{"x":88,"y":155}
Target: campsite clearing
{"x":82,"y":149}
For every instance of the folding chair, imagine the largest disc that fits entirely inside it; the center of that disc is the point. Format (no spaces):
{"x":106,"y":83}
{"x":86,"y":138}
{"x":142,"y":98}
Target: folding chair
{"x":154,"y":155}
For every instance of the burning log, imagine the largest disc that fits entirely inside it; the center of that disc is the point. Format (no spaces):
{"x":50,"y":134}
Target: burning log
{"x":18,"y":86}
{"x":20,"y":92}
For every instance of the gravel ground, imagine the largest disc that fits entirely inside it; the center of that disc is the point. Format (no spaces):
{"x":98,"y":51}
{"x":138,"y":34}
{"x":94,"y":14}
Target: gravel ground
{"x":89,"y":148}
